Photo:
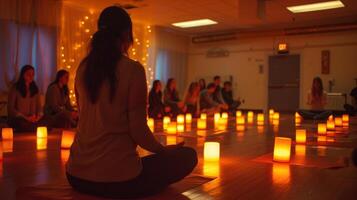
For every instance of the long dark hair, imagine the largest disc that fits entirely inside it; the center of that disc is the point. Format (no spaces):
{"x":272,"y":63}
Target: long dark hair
{"x":59,"y":75}
{"x":21,"y":85}
{"x":108,"y":45}
{"x":168,"y":85}
{"x":317,"y":92}
{"x":154,"y":85}
{"x":202,"y":83}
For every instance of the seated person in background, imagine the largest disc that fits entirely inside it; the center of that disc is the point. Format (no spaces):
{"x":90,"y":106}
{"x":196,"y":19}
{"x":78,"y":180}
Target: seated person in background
{"x":207,"y":104}
{"x":58,"y":105}
{"x":217,"y":95}
{"x":227,"y":95}
{"x":24,"y":109}
{"x":112,"y":98}
{"x":157,"y":109}
{"x":202,"y":84}
{"x":352,"y":109}
{"x":317,"y":100}
{"x":171,"y":98}
{"x":192,"y":99}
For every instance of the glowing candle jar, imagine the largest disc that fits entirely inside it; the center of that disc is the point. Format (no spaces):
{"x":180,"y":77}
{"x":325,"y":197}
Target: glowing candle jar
{"x":238,"y":113}
{"x":300,"y":136}
{"x":41,"y":143}
{"x":201,"y":124}
{"x":225,"y":115}
{"x":260,"y":119}
{"x":7,"y":133}
{"x":166,"y":122}
{"x":240,"y":120}
{"x":330,"y":125}
{"x":345,"y":118}
{"x":338,"y":121}
{"x":321,"y":129}
{"x":250,"y":114}
{"x":41,"y":132}
{"x":151,"y":124}
{"x":203,"y":116}
{"x":171,"y":128}
{"x":180,"y":119}
{"x":180,"y":128}
{"x":271,"y":113}
{"x":188,"y":118}
{"x":282,"y":149}
{"x":217,"y":117}
{"x":276,"y":116}
{"x":67,"y":139}
{"x":211,"y":151}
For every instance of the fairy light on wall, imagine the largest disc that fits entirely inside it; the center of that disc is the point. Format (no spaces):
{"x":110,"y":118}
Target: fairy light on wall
{"x":76,"y":33}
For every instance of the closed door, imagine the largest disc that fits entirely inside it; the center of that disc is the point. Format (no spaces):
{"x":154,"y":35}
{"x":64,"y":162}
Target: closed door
{"x":284,"y":82}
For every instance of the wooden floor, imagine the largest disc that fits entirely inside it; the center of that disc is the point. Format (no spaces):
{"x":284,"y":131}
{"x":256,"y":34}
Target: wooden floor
{"x":239,"y":175}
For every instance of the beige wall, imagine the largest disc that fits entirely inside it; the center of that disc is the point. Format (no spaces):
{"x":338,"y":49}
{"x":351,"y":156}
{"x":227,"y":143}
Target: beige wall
{"x":247,"y":54}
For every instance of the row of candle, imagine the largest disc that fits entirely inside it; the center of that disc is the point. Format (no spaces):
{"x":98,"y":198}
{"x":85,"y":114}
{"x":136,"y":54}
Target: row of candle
{"x":41,"y":134}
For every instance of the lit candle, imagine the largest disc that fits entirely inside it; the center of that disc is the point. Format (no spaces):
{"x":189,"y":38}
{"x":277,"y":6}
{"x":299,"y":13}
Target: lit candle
{"x":203,"y":116}
{"x":41,"y":132}
{"x":282,"y":148}
{"x":201,"y":124}
{"x":250,"y":120}
{"x":67,"y":139}
{"x":211,"y":151}
{"x":225,"y":115}
{"x":180,"y":119}
{"x":260,"y":118}
{"x":151,"y":124}
{"x":171,"y":128}
{"x":217,"y":117}
{"x":330,"y":125}
{"x":321,"y":129}
{"x":330,"y":117}
{"x":338,"y":121}
{"x":188,"y":118}
{"x":345,"y":118}
{"x":300,"y":136}
{"x":250,"y":114}
{"x":240,"y":120}
{"x":166,"y":121}
{"x":276,"y":116}
{"x":298,"y":118}
{"x":180,"y":128}
{"x":222,"y":124}
{"x":7,"y":133}
{"x":271,"y":113}
{"x":238,"y":113}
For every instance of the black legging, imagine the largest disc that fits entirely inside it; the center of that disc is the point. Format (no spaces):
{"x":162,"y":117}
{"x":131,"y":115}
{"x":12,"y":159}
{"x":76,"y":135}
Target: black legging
{"x":159,"y":171}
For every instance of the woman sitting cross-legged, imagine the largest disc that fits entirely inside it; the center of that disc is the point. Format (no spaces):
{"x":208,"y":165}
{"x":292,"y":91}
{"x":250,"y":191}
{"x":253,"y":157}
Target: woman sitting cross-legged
{"x":58,"y":106}
{"x":112,"y":98}
{"x":172,"y":99}
{"x":24,"y":107}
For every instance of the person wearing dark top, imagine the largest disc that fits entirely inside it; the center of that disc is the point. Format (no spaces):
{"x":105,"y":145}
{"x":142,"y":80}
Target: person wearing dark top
{"x":227,"y":96}
{"x":171,"y":98}
{"x":207,"y":104}
{"x":217,"y":95}
{"x":157,"y":109}
{"x":24,"y":108}
{"x":57,"y":104}
{"x":202,"y":84}
{"x":351,"y":109}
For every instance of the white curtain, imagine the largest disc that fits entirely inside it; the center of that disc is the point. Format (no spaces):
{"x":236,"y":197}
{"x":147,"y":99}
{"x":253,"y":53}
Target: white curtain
{"x":28,"y":36}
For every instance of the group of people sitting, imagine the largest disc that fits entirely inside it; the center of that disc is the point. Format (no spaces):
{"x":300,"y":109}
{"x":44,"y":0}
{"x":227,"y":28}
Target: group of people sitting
{"x":25,"y":111}
{"x":199,"y":98}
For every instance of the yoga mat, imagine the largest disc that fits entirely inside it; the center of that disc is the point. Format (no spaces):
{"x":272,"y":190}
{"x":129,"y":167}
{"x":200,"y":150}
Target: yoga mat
{"x":307,"y":161}
{"x":63,"y":191}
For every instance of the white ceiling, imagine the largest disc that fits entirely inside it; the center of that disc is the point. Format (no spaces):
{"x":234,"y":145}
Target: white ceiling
{"x":230,"y":14}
